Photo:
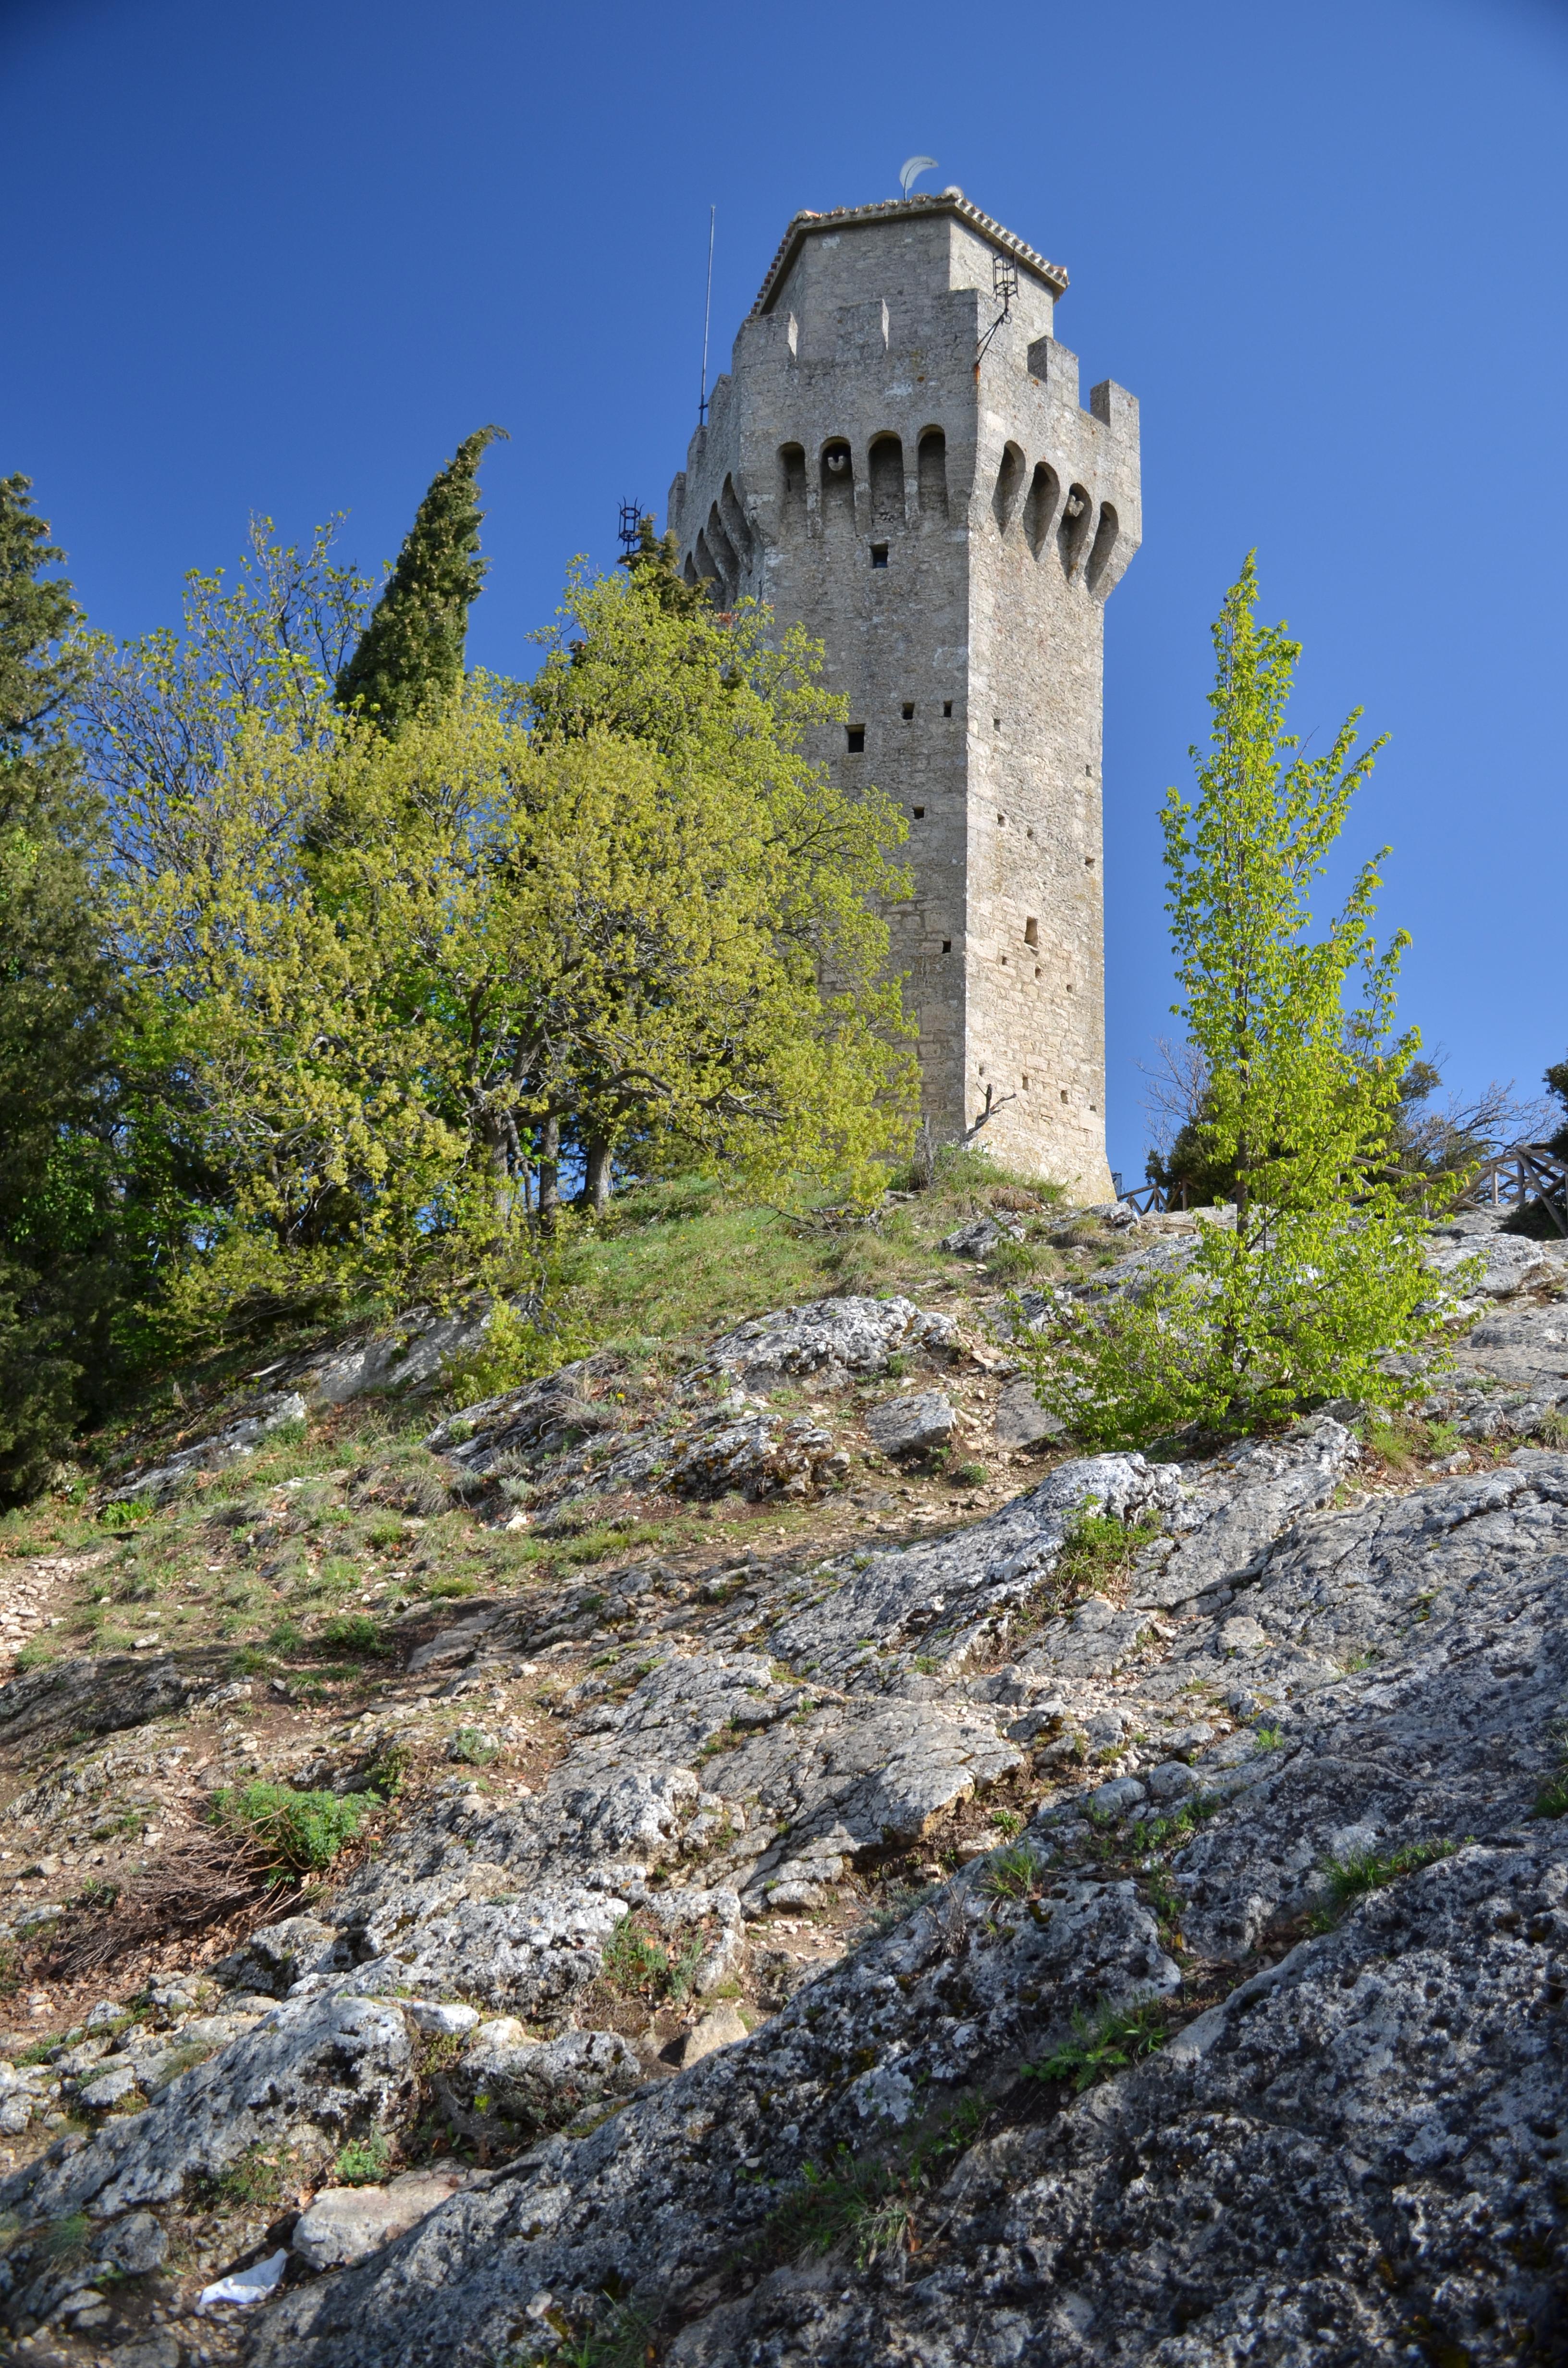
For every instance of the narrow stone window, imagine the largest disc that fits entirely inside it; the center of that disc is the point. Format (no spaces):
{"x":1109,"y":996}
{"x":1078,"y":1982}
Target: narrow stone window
{"x":879,"y":554}
{"x":1025,"y":1083}
{"x":1063,"y":1093}
{"x":792,"y":486}
{"x":887,"y":482}
{"x":855,"y":738}
{"x":907,"y":710}
{"x":1004,"y":961}
{"x":947,"y":945}
{"x":947,"y":706}
{"x":933,"y":473}
{"x":1036,"y":974}
{"x":1031,"y":927}
{"x":919,"y":814}
{"x":837,"y":484}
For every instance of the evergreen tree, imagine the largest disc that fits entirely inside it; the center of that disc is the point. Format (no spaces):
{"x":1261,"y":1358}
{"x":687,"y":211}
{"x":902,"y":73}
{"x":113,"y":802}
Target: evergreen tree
{"x":410,"y":657}
{"x":55,"y":1018}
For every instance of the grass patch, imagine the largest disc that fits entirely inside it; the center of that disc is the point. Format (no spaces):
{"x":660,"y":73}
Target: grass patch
{"x":869,"y":2206}
{"x":1011,"y":1873}
{"x":353,"y":1632}
{"x":638,"y":1965}
{"x":1099,"y":1551}
{"x":473,"y":1746}
{"x":1104,"y":2042}
{"x":302,"y":1831}
{"x":1347,"y":1880}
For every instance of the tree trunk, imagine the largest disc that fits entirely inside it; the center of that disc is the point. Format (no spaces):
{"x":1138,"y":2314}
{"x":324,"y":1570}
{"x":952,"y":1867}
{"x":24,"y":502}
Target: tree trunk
{"x":549,"y":1174}
{"x":595,"y":1182}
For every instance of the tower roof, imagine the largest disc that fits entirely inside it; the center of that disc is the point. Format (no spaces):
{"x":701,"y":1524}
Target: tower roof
{"x":949,"y":201}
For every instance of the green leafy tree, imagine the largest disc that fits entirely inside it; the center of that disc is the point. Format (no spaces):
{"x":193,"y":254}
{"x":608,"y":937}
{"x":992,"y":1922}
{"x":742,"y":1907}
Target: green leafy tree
{"x":1317,"y":1275}
{"x":57,"y":1270}
{"x":411,"y":656}
{"x":727,"y":711}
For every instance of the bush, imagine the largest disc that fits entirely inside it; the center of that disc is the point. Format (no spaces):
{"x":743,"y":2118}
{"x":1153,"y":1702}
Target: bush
{"x":303,"y":1831}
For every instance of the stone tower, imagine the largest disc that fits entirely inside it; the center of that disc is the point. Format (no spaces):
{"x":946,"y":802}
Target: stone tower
{"x":918,"y":487}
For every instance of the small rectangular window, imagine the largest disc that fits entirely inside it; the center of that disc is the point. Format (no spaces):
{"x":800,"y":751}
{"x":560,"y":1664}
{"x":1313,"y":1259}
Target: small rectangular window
{"x":879,"y":554}
{"x":947,"y":945}
{"x":908,"y":711}
{"x":855,"y":738}
{"x":947,"y":706}
{"x":919,"y":814}
{"x":1031,"y":931}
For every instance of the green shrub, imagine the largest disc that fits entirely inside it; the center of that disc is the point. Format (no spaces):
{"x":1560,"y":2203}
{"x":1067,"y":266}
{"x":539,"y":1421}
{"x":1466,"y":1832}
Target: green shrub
{"x":472,"y":1745}
{"x":363,"y":2161}
{"x":1011,"y":1873}
{"x":302,"y":1831}
{"x":968,"y":1475}
{"x":353,"y":1632}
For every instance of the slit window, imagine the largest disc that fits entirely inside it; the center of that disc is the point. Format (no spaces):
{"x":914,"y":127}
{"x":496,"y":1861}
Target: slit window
{"x":1031,"y":931}
{"x":907,"y":710}
{"x":947,"y":945}
{"x":919,"y":813}
{"x":947,"y":706}
{"x":879,"y":554}
{"x":855,"y":738}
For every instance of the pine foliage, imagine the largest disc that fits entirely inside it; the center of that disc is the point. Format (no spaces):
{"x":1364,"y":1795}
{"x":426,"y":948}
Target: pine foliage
{"x":410,"y":660}
{"x":55,"y":993}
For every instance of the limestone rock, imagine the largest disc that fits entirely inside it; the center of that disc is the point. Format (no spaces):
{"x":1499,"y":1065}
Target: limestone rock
{"x":343,"y":2224}
{"x":721,"y":2027}
{"x":1022,"y":1421}
{"x":974,"y":1241}
{"x":240,"y":1439}
{"x":912,"y":1425}
{"x":826,"y":1342}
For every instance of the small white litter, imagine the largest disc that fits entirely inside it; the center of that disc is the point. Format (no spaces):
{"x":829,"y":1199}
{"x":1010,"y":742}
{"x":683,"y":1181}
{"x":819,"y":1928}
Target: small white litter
{"x":247,"y":2285}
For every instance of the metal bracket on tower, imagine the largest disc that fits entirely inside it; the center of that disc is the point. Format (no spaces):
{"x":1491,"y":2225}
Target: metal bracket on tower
{"x":1004,"y":287}
{"x":630,"y":526}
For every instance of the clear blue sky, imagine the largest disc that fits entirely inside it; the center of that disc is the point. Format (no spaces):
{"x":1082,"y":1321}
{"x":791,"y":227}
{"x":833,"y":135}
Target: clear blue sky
{"x":282,"y":258}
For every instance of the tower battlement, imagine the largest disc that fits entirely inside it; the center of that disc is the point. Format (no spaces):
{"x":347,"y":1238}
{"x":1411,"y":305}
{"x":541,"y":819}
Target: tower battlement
{"x":934,"y":504}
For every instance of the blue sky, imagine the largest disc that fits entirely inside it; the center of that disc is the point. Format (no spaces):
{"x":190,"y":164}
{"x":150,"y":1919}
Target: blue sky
{"x":282,"y":259}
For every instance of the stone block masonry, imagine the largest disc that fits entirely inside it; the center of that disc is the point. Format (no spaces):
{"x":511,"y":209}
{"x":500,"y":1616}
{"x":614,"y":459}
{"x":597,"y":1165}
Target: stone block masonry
{"x":948,"y":522}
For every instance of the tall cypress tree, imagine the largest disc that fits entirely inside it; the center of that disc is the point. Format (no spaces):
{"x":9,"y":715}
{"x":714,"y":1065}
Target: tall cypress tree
{"x":55,"y":992}
{"x":410,"y":654}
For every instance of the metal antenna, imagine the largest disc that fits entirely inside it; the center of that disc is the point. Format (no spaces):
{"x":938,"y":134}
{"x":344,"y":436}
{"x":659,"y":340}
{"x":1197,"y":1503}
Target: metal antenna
{"x":631,"y":522}
{"x":707,"y":316}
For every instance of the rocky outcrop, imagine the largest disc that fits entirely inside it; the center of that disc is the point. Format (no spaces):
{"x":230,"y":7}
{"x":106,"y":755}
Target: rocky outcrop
{"x":1239,"y":2037}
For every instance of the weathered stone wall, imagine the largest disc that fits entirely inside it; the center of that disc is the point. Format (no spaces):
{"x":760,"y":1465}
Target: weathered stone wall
{"x":951,"y":535}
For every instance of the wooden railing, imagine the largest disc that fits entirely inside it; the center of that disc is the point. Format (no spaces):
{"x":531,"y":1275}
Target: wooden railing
{"x":1525,"y":1172}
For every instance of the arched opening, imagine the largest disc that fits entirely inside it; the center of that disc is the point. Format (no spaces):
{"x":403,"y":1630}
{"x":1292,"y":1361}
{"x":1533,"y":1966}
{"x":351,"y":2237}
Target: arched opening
{"x":1039,"y":510}
{"x":887,"y":483}
{"x":726,"y":565}
{"x":932,"y":473}
{"x":706,"y":571}
{"x":1101,"y":556}
{"x":1009,"y":483}
{"x":736,"y":525}
{"x":791,"y":488}
{"x":837,"y":482}
{"x":1073,"y":532}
